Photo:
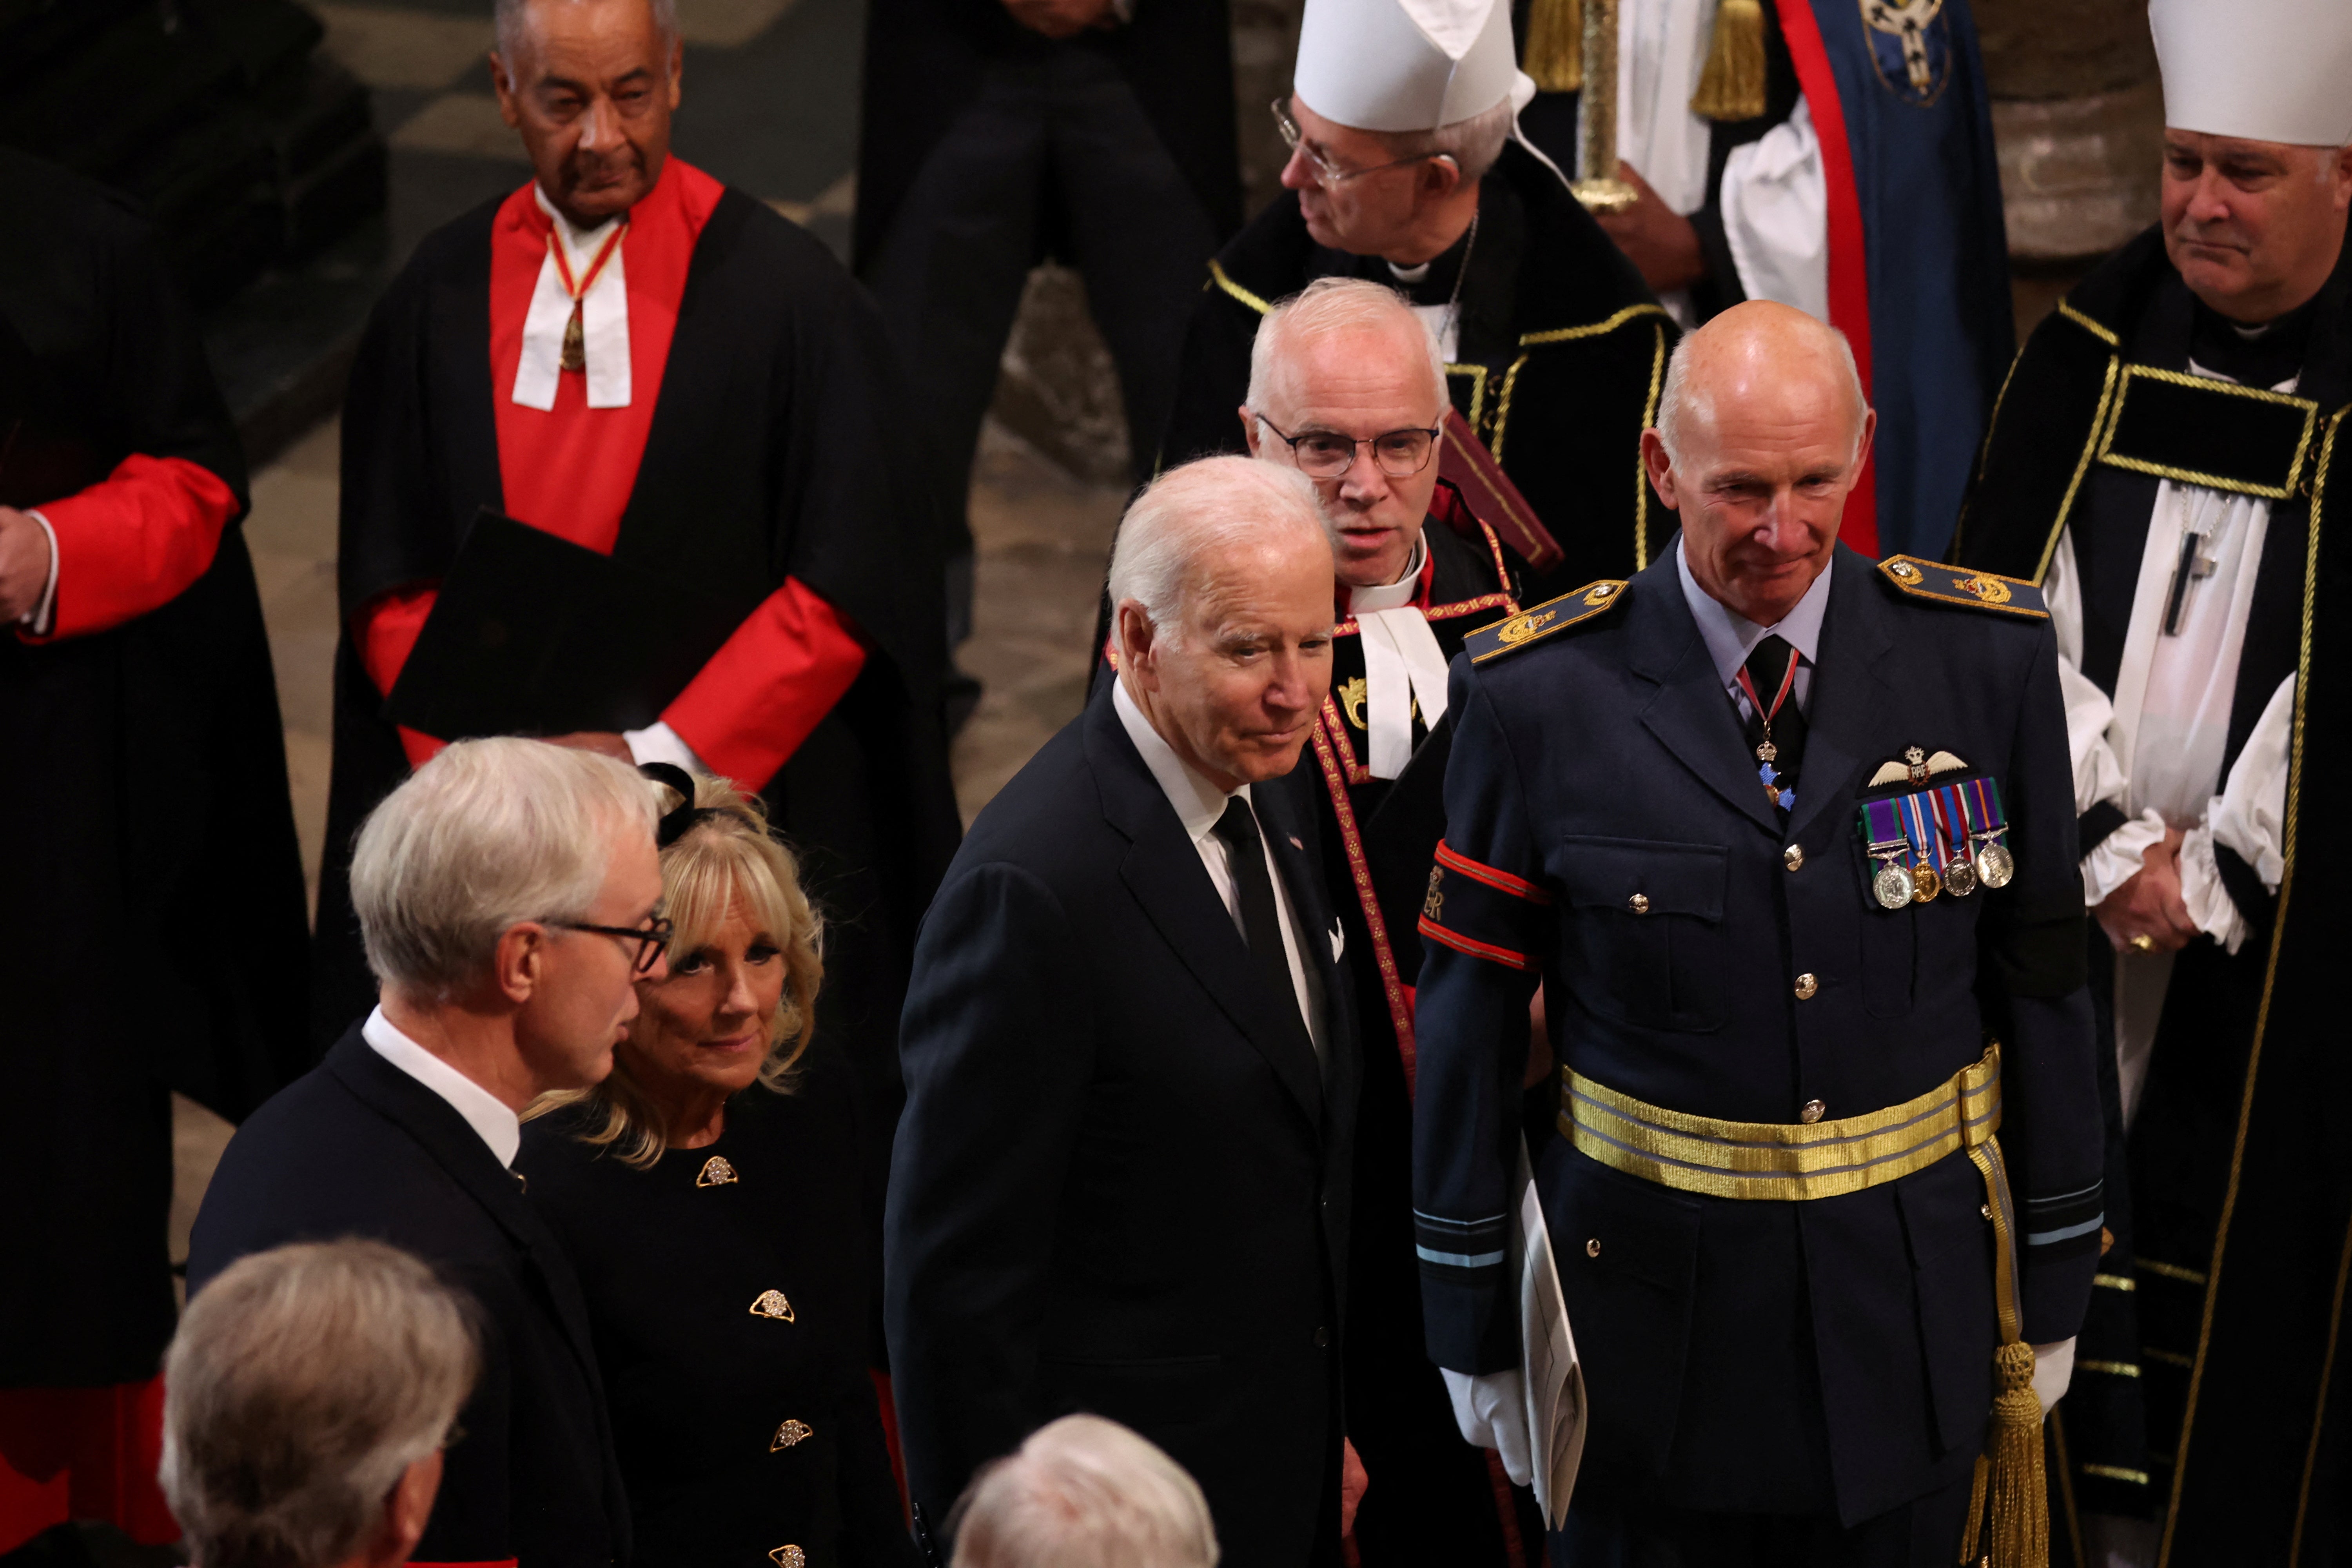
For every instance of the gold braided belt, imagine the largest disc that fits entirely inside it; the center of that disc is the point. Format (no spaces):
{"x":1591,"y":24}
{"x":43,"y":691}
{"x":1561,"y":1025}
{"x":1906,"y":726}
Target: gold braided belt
{"x":1782,"y":1160}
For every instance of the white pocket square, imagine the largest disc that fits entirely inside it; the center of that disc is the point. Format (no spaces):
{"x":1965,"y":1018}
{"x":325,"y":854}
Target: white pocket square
{"x":1338,"y":941}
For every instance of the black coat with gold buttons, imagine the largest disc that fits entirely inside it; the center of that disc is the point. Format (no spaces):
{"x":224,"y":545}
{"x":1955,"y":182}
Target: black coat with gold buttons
{"x":730,"y":1292}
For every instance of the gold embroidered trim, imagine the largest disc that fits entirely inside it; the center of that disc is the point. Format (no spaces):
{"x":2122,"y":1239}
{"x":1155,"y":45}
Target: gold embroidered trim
{"x":1781,"y":1161}
{"x":1569,"y":334}
{"x":2099,"y":421}
{"x":1641,"y":469}
{"x":2169,"y":1272}
{"x":2115,"y":1281}
{"x":2270,"y":972}
{"x":2319,"y":1415}
{"x":2112,"y":1368}
{"x":2167,"y":1357}
{"x":2115,"y":1473}
{"x":1503,"y":404}
{"x":1359,"y":872}
{"x":1477,"y":375}
{"x":2131,"y":372}
{"x":1217,"y":274}
{"x":2066,"y":309}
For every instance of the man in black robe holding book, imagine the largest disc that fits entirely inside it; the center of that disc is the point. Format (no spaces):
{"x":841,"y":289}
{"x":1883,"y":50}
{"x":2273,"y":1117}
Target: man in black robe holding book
{"x":723,"y":560}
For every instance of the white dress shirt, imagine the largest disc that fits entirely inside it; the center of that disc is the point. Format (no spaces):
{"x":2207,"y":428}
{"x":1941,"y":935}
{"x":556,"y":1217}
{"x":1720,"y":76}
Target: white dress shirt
{"x":1199,"y":805}
{"x":1730,"y":637}
{"x":1403,"y":667}
{"x":485,"y":1112}
{"x":2154,"y":749}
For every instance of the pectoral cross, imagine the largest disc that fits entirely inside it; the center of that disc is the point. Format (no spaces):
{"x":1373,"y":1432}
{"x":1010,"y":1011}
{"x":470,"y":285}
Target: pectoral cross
{"x":2193,"y":567}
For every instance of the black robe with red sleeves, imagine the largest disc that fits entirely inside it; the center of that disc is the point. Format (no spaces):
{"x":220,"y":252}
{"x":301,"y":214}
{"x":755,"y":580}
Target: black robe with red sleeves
{"x":151,"y":927}
{"x":774,"y":450}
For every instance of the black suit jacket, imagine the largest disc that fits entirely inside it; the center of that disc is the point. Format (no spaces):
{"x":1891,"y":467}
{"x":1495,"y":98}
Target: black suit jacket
{"x":356,"y":1147}
{"x":1119,"y":1186}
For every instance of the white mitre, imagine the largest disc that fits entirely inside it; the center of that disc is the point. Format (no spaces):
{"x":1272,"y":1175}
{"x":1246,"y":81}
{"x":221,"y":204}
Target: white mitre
{"x":1408,"y":65}
{"x":2266,"y":70}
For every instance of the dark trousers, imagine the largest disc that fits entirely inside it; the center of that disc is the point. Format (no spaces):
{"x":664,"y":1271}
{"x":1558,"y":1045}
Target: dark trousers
{"x":1054,"y":155}
{"x":1922,"y":1533}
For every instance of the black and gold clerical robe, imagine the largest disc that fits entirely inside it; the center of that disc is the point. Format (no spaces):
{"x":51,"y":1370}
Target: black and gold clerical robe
{"x":1434,"y":1497}
{"x":2210,"y":1387}
{"x":1561,"y":351}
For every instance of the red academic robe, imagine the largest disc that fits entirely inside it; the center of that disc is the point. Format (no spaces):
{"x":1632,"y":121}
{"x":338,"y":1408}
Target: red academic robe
{"x":571,"y":470}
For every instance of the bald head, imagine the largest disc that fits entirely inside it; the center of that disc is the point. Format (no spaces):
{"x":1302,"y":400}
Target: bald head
{"x":1762,"y":432}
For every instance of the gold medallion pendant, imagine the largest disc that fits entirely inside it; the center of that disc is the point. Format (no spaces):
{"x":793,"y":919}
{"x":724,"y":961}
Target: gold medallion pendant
{"x":1925,"y":884}
{"x":1892,"y":885}
{"x":716,"y":1173}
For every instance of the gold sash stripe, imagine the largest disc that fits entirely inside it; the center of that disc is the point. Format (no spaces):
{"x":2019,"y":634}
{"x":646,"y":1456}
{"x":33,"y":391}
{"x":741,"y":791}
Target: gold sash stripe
{"x":1778,"y":1161}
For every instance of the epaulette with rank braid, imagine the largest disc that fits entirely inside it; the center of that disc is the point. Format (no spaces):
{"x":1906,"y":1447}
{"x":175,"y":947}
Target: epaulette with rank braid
{"x":1539,"y":621}
{"x":1942,"y":584}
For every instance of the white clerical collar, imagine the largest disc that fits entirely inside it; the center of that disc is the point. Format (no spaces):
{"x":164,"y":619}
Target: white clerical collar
{"x":1394,"y":595}
{"x":1731,"y":638}
{"x":485,"y":1112}
{"x":1409,"y":275}
{"x":1199,"y":803}
{"x":604,"y":319}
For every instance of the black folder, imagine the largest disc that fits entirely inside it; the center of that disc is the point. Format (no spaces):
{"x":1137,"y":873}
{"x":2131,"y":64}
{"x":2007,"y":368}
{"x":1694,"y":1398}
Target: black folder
{"x":536,"y":636}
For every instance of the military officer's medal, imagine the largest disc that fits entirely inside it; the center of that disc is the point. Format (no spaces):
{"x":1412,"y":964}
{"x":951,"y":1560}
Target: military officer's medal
{"x":1946,"y":838}
{"x":1767,"y":755}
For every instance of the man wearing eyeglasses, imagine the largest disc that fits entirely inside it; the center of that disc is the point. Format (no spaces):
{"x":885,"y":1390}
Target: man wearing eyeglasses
{"x":1406,"y":169}
{"x":509,"y":896}
{"x":1346,"y":386}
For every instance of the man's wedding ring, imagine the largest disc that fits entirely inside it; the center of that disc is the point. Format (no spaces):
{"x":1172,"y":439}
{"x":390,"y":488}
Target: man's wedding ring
{"x":2143,"y":943}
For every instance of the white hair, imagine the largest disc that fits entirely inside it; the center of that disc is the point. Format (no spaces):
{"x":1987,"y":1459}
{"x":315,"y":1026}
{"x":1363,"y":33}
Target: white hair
{"x":301,"y":1384}
{"x":1085,"y":1492}
{"x":485,"y":835}
{"x":1473,"y":143}
{"x":1325,"y":306}
{"x":511,"y":15}
{"x":1675,"y":398}
{"x":1190,"y":518}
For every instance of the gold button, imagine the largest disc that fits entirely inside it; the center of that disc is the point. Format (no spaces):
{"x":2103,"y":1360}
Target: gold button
{"x":1794,"y":856}
{"x":1986,"y":1210}
{"x":1592,"y":1248}
{"x":1812,"y":1112}
{"x":1806,"y":986}
{"x":1639,"y":903}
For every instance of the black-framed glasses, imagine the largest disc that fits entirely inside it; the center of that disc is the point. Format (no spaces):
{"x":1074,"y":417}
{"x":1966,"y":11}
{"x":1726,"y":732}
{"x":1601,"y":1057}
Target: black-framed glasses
{"x":1327,"y":454}
{"x":1326,"y":171}
{"x":652,"y":940}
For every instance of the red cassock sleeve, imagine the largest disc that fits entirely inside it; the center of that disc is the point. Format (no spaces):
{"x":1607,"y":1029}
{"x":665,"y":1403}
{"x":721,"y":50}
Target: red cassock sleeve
{"x":388,"y":629}
{"x":134,"y":542}
{"x":745,"y":713}
{"x":767,"y":687}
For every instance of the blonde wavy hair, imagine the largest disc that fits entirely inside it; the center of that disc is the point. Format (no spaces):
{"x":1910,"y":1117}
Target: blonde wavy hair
{"x":728,"y":854}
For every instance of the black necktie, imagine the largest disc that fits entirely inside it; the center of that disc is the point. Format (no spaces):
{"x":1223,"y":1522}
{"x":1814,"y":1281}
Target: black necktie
{"x":1768,"y":668}
{"x":1261,"y":916}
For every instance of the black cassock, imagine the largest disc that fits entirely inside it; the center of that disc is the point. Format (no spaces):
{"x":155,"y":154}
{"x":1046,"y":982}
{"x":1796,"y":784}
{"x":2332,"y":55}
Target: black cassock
{"x":1561,"y":351}
{"x":152,"y":931}
{"x":773,"y":451}
{"x":1434,"y":1497}
{"x":2227,"y":1276}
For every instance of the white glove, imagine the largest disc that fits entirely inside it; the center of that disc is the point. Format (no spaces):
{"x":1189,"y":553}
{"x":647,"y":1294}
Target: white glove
{"x":2053,"y":1369}
{"x":1491,"y":1411}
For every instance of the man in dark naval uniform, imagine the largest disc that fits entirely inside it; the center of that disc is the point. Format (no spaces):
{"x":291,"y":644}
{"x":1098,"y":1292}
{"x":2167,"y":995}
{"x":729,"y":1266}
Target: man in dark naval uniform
{"x":1346,"y":386}
{"x":1786,"y":837}
{"x":2164,"y":465}
{"x":151,"y":927}
{"x":717,"y":556}
{"x":1405,"y":170}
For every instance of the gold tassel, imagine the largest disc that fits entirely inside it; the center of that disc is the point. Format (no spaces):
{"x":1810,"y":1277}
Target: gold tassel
{"x":1732,"y":85}
{"x":1555,"y":52}
{"x":1976,"y":1510}
{"x":2010,"y":1495}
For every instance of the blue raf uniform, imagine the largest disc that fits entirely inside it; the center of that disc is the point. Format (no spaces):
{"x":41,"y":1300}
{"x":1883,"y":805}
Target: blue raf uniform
{"x":1792,"y":1007}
